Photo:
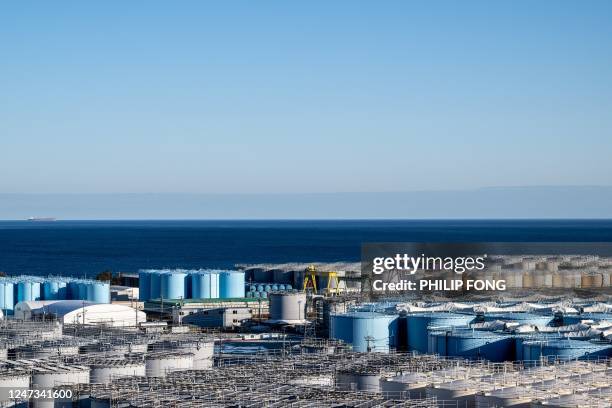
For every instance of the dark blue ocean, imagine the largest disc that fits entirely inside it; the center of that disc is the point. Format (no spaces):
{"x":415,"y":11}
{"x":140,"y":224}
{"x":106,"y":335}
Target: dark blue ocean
{"x":85,"y":248}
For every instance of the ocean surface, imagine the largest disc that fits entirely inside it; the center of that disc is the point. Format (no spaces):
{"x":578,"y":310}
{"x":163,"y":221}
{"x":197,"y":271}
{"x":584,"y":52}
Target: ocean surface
{"x":85,"y":248}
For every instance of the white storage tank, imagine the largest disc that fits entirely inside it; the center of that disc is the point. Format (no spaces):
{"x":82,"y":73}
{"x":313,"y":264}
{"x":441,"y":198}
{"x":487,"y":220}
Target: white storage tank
{"x":290,"y":307}
{"x":12,"y":379}
{"x":48,"y":375}
{"x":160,"y":364}
{"x":203,"y":350}
{"x":104,"y":371}
{"x":358,"y":380}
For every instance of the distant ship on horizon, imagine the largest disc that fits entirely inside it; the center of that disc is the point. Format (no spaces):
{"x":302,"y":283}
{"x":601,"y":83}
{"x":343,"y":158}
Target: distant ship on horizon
{"x":41,"y":219}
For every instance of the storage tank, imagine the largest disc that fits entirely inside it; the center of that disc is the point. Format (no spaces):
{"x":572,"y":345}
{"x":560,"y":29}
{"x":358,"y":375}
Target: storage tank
{"x":591,"y":280}
{"x":173,"y":285}
{"x":160,"y":364}
{"x":472,"y":344}
{"x":12,"y":380}
{"x":205,"y":285}
{"x":73,"y":289}
{"x":55,"y":289}
{"x":202,"y":350}
{"x":28,"y":290}
{"x":358,"y":380}
{"x":46,"y":377}
{"x":7,"y":299}
{"x":104,"y":371}
{"x":566,"y":349}
{"x":366,"y":331}
{"x":287,"y":306}
{"x":573,"y":319}
{"x":98,"y":292}
{"x":82,"y":287}
{"x":521,"y":318}
{"x":155,"y":292}
{"x":420,"y":323}
{"x":404,"y":386}
{"x":144,"y":286}
{"x":231,"y":284}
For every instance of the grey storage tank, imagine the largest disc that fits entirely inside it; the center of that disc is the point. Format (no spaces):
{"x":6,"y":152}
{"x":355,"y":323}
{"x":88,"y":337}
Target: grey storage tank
{"x":289,"y":307}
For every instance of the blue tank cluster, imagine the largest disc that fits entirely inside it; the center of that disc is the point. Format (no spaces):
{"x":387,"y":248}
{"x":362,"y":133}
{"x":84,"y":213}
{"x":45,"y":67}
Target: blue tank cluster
{"x":419,"y":325}
{"x":33,"y":288}
{"x":262,"y":290}
{"x":190,"y":284}
{"x":365,"y":331}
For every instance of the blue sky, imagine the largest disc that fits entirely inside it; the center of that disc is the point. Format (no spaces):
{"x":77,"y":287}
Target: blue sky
{"x":299,"y":97}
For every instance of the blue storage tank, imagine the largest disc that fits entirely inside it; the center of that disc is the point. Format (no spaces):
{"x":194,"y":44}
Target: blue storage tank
{"x":188,"y":286}
{"x":281,"y":287}
{"x":565,"y":349}
{"x":155,"y":292}
{"x":144,"y":285}
{"x":73,"y":289}
{"x":28,"y":290}
{"x":288,"y":287}
{"x":366,"y":331}
{"x":263,"y":295}
{"x":521,"y":318}
{"x":261,"y":288}
{"x":573,"y":319}
{"x":472,"y":344}
{"x":98,"y":292}
{"x":274,"y":288}
{"x":55,"y":289}
{"x":173,"y":285}
{"x":419,"y":324}
{"x":7,"y":296}
{"x":231,"y":284}
{"x":82,"y":288}
{"x":205,"y":285}
{"x":520,"y":339}
{"x":267,"y":288}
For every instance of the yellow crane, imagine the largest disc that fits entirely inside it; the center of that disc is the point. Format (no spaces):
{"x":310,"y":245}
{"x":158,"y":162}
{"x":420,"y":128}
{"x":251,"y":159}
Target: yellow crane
{"x":310,"y":280}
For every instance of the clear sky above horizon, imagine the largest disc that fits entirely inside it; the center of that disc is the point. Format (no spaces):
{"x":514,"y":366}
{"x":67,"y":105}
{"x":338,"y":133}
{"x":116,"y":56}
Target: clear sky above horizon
{"x":311,"y":96}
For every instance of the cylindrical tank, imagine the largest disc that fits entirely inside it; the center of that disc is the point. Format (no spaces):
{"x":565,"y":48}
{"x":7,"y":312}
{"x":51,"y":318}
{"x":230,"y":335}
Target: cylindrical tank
{"x":405,"y":386}
{"x":591,"y":280}
{"x":420,"y":323}
{"x":28,"y":290}
{"x":155,"y":292}
{"x":7,"y":299}
{"x":231,"y":284}
{"x":205,"y":285}
{"x":358,"y":381}
{"x":82,"y":287}
{"x":173,"y":285}
{"x":522,"y":318}
{"x":160,"y":364}
{"x":17,"y":380}
{"x":54,"y":290}
{"x":565,"y":350}
{"x":98,"y":292}
{"x":203,"y":351}
{"x":47,"y":378}
{"x":472,"y":344}
{"x":366,"y":331}
{"x":73,"y":290}
{"x":104,"y":372}
{"x":144,"y":285}
{"x":287,"y":306}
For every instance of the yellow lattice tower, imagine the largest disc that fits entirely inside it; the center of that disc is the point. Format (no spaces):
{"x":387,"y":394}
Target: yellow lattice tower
{"x":310,"y":278}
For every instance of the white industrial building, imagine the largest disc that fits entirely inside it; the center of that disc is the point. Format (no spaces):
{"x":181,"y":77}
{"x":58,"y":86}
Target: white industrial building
{"x":82,"y":312}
